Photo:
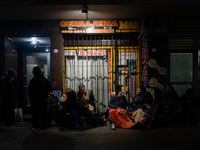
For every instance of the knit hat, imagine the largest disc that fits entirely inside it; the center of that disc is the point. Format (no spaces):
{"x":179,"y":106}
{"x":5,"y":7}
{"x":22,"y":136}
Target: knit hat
{"x":81,"y":84}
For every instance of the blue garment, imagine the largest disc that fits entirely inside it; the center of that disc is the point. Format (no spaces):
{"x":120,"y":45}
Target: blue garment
{"x":118,"y":102}
{"x":144,"y":109}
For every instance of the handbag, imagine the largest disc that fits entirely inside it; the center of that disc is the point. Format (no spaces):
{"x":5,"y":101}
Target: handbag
{"x":18,"y":113}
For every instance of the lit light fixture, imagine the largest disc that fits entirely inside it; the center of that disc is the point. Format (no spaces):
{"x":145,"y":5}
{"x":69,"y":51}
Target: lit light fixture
{"x":85,"y":9}
{"x":34,"y":41}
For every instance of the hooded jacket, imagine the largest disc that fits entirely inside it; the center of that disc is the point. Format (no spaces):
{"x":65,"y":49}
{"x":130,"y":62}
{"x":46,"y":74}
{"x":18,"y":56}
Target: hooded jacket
{"x":38,"y":90}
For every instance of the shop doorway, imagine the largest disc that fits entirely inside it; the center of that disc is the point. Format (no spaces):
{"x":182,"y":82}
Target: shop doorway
{"x":32,"y":60}
{"x":104,"y":64}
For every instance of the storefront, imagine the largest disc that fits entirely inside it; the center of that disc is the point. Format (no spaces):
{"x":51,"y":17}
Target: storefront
{"x":104,"y":55}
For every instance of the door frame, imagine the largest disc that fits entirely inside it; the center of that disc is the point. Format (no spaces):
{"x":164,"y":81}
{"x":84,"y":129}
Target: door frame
{"x":194,"y":83}
{"x":25,"y":85}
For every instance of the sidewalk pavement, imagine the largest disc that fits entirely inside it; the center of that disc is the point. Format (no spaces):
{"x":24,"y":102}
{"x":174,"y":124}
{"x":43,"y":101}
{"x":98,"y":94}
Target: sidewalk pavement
{"x":21,"y":137}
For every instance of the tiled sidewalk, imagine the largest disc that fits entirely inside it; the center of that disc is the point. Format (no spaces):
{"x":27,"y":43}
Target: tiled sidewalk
{"x":21,"y":137}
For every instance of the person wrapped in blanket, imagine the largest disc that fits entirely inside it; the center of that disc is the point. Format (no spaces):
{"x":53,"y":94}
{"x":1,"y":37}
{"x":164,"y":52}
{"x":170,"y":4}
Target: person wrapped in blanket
{"x":139,"y":115}
{"x":117,"y":111}
{"x":141,"y":108}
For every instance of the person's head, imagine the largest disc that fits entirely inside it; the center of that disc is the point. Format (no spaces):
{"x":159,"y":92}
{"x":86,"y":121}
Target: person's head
{"x":190,"y":91}
{"x":12,"y":73}
{"x":81,"y":86}
{"x":36,"y":70}
{"x":169,"y":87}
{"x":71,"y":95}
{"x":119,"y":93}
{"x":68,"y":90}
{"x":141,"y":89}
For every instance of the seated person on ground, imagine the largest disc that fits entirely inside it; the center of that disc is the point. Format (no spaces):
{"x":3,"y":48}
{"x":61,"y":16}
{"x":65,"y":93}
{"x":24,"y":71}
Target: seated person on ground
{"x":142,"y":108}
{"x":87,"y":97}
{"x":138,"y":115}
{"x":117,"y":109}
{"x":78,"y":111}
{"x":190,"y":107}
{"x":170,"y":102}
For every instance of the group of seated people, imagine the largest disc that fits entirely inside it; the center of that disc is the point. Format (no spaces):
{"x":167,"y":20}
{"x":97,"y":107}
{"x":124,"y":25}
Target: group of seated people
{"x":139,"y":113}
{"x":179,"y":109}
{"x":78,"y":108}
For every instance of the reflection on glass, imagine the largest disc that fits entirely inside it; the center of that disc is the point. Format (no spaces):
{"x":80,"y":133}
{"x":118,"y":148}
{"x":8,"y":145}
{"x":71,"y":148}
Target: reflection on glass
{"x":181,"y":67}
{"x":181,"y":89}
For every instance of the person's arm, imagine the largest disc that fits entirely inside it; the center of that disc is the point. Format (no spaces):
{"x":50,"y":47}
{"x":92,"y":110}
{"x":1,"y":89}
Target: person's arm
{"x":125,"y":101}
{"x":55,"y":99}
{"x":126,"y":105}
{"x":92,"y":99}
{"x":110,"y":104}
{"x":49,"y":87}
{"x":31,"y":88}
{"x":134,"y":100}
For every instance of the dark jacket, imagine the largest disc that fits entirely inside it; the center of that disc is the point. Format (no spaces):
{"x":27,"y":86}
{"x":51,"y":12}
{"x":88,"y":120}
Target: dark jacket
{"x":146,"y":98}
{"x":91,"y":97}
{"x":51,"y":101}
{"x":118,"y":102}
{"x":38,"y":90}
{"x":10,"y":89}
{"x":71,"y":101}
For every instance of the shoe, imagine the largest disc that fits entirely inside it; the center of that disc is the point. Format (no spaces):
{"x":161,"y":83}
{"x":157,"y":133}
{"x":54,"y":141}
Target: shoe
{"x":34,"y":129}
{"x":112,"y":126}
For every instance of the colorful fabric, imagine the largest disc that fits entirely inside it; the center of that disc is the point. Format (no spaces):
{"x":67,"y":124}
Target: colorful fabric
{"x":121,"y":117}
{"x":127,"y":119}
{"x":144,"y":114}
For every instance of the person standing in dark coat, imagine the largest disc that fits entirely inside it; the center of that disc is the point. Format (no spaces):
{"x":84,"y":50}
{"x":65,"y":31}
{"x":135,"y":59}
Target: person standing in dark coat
{"x":38,"y":90}
{"x":10,"y":93}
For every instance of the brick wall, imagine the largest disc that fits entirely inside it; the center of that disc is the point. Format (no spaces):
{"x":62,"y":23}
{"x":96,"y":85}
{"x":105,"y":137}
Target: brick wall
{"x":11,"y":58}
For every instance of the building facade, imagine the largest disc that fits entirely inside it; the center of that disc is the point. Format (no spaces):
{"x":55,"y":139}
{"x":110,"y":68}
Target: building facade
{"x":106,"y":55}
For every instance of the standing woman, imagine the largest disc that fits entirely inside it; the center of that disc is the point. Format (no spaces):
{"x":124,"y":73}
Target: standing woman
{"x":38,"y":90}
{"x":10,"y":94}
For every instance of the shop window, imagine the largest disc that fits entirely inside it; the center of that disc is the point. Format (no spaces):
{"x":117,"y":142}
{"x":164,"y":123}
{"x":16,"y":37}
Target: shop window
{"x":104,"y":64}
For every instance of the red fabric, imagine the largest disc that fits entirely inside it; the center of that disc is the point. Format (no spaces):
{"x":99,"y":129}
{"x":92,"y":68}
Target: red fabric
{"x":121,"y":117}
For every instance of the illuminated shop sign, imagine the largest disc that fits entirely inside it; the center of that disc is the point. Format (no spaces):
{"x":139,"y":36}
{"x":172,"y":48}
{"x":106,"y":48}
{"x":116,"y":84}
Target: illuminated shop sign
{"x":99,"y":26}
{"x":85,"y":52}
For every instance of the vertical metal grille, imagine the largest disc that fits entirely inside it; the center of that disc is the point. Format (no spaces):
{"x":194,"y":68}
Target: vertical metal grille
{"x":93,"y":71}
